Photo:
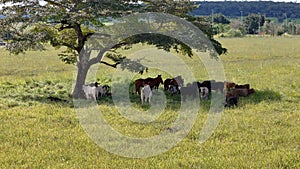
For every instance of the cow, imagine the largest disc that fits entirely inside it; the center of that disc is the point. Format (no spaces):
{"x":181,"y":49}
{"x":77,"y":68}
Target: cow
{"x":173,"y":89}
{"x":231,"y":101}
{"x":229,"y":85}
{"x":204,"y":93}
{"x":102,"y":90}
{"x":90,"y":92}
{"x":231,"y":98}
{"x":241,"y":92}
{"x":190,"y":91}
{"x":206,"y":83}
{"x":251,"y":91}
{"x":244,"y":86}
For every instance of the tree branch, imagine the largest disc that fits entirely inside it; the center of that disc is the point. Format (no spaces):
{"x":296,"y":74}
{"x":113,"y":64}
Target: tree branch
{"x":102,"y":52}
{"x":99,"y":56}
{"x":86,"y":36}
{"x":69,"y":26}
{"x":119,"y":45}
{"x":69,"y":45}
{"x":111,"y":65}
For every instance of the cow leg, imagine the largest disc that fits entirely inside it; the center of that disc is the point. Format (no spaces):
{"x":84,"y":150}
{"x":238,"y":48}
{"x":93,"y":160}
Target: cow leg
{"x":142,"y":98}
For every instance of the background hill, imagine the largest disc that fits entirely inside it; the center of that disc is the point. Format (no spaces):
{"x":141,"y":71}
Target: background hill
{"x":280,"y":10}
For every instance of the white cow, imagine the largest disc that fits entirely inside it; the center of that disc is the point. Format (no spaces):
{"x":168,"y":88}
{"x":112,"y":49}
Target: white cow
{"x":146,"y":93}
{"x":204,"y":92}
{"x":90,"y":92}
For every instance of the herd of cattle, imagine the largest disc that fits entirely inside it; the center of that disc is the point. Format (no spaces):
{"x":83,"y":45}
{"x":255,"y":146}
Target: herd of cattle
{"x":144,"y":88}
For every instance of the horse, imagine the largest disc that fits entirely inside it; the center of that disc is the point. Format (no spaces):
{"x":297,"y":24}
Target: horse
{"x":138,"y":84}
{"x":176,"y":81}
{"x":152,"y":82}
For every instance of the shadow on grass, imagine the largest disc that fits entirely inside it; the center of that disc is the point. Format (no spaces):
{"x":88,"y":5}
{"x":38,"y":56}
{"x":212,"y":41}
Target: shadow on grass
{"x":260,"y":96}
{"x":173,"y":102}
{"x":48,"y":99}
{"x":266,"y":95}
{"x":31,"y":92}
{"x":56,"y":93}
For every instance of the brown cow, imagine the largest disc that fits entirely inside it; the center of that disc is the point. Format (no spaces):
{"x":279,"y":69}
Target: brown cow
{"x":244,"y":92}
{"x":231,"y":98}
{"x":251,"y":91}
{"x":244,"y":86}
{"x":229,"y":85}
{"x":241,"y":92}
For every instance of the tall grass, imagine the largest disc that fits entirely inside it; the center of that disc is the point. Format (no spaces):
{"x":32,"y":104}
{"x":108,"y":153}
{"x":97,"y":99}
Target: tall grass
{"x":262,"y":132}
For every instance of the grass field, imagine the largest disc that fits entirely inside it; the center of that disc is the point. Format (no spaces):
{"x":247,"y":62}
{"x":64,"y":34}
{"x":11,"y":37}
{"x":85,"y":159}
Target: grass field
{"x":262,"y":132}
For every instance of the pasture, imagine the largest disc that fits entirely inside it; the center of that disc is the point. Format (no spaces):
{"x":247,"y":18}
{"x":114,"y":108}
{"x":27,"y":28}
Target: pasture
{"x":262,"y":132}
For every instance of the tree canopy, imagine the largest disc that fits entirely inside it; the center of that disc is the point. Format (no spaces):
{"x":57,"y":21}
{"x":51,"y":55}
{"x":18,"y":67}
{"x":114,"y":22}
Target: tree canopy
{"x":253,"y":22}
{"x":30,"y":24}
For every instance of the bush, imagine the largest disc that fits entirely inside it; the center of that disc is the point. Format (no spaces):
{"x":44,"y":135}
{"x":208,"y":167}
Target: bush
{"x":233,"y":33}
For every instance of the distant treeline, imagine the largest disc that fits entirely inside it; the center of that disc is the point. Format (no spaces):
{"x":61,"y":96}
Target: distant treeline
{"x":280,"y":10}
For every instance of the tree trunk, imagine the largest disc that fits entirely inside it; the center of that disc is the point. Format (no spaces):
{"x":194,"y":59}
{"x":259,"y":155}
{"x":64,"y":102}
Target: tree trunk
{"x":78,"y":93}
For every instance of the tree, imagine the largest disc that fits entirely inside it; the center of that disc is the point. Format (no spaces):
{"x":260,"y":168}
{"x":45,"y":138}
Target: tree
{"x":270,"y":27}
{"x":70,"y":23}
{"x":291,"y":28}
{"x":238,"y":25}
{"x":218,"y":18}
{"x":253,"y":22}
{"x":234,"y":8}
{"x":297,"y":29}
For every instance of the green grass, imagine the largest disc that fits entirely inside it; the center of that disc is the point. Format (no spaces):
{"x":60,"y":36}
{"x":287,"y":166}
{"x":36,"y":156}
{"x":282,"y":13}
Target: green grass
{"x":262,"y":132}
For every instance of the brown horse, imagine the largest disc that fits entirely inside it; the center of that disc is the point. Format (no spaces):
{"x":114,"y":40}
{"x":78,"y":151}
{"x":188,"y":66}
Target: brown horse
{"x":138,"y":84}
{"x":177,"y":81}
{"x":152,"y":82}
